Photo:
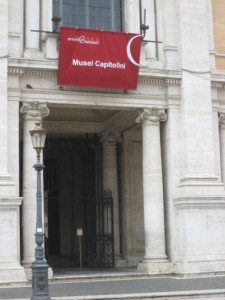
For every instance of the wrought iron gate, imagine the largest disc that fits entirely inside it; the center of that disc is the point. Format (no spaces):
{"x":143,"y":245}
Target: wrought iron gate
{"x":101,"y":239}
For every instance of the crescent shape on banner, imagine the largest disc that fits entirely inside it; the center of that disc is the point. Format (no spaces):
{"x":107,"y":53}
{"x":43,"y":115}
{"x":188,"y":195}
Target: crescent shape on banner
{"x":129,"y":50}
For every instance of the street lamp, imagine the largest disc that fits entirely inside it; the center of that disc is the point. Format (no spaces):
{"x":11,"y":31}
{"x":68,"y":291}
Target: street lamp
{"x":39,"y":266}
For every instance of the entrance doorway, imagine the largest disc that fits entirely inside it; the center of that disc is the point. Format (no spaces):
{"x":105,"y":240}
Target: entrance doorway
{"x":75,"y":203}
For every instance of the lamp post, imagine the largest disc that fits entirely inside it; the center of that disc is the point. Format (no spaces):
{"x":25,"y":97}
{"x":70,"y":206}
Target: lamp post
{"x":39,"y":266}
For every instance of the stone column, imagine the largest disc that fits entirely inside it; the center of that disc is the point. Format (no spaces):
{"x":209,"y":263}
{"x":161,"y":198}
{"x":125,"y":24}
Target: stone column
{"x":155,"y":260}
{"x":110,"y":182}
{"x":32,"y":112}
{"x":222,"y":144}
{"x":32,"y":22}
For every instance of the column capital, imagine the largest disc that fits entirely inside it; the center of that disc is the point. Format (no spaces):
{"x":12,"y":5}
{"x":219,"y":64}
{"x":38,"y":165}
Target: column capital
{"x":153,"y":115}
{"x":111,"y":137}
{"x":222,"y":120}
{"x":35,"y":110}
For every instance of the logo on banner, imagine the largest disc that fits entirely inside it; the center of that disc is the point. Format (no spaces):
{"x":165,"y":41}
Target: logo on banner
{"x":129,"y":50}
{"x":84,"y":40}
{"x":112,"y":63}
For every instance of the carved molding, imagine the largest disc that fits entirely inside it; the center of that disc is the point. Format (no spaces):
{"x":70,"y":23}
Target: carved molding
{"x":32,"y":73}
{"x":53,"y":74}
{"x":217,"y":85}
{"x":16,"y":71}
{"x":149,"y":81}
{"x":172,"y":81}
{"x":154,"y":115}
{"x":48,"y":74}
{"x":159,"y":81}
{"x":35,"y":109}
{"x":199,"y":202}
{"x":111,"y":137}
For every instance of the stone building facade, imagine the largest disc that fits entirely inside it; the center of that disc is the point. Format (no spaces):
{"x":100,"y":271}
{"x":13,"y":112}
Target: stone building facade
{"x":159,"y":149}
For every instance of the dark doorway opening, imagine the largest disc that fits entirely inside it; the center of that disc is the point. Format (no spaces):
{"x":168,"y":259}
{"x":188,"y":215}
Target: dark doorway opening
{"x":74,"y":200}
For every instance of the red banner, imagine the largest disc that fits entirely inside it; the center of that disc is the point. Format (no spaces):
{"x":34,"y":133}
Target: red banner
{"x":97,"y":58}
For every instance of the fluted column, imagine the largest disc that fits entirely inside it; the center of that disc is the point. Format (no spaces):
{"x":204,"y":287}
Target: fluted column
{"x":110,"y":182}
{"x":155,"y":254}
{"x":222,"y":144}
{"x":32,"y":112}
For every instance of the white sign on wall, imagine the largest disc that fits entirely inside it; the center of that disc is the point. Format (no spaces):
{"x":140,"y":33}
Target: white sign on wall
{"x":79,"y":231}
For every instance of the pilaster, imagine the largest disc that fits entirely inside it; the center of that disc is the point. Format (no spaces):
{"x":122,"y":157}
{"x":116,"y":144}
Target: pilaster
{"x":7,"y":186}
{"x":171,"y":34}
{"x":200,"y":195}
{"x":32,"y":112}
{"x":32,"y":22}
{"x":10,"y":268}
{"x":222,"y":144}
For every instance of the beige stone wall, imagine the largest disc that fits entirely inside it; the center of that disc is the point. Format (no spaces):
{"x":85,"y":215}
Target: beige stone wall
{"x":219,"y":32}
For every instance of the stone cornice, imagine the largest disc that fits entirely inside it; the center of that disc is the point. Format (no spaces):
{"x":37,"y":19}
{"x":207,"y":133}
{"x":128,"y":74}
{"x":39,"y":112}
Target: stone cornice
{"x":79,"y":98}
{"x":200,"y":202}
{"x":47,"y":71}
{"x":11,"y":201}
{"x":53,"y":74}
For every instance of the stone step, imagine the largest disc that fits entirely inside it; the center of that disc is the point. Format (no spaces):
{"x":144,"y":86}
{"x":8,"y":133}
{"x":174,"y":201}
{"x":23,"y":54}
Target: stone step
{"x":191,"y":295}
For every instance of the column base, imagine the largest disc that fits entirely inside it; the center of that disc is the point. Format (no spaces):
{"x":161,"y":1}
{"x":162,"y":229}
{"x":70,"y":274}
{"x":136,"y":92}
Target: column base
{"x":199,"y":268}
{"x":12,"y":273}
{"x":200,"y":234}
{"x":156,"y":267}
{"x":120,"y":262}
{"x":199,"y":186}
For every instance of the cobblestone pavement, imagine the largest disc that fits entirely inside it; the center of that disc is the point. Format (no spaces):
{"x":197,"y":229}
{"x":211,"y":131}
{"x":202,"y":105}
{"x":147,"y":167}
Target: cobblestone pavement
{"x":121,"y":286}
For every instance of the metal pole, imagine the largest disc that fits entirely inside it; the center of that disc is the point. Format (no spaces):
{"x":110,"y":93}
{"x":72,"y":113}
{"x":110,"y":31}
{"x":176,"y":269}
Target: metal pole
{"x":140,"y":15}
{"x":80,"y":251}
{"x":39,"y":266}
{"x":156,"y":30}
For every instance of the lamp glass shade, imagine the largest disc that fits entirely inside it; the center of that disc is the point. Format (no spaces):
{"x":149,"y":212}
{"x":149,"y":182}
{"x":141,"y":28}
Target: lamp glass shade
{"x":38,"y":136}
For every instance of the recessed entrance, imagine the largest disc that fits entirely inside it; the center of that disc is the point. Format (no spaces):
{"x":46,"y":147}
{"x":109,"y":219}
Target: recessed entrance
{"x":74,"y":200}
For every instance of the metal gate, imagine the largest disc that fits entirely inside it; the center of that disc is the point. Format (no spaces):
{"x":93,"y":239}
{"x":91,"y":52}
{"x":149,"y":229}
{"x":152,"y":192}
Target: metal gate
{"x":101,"y":236}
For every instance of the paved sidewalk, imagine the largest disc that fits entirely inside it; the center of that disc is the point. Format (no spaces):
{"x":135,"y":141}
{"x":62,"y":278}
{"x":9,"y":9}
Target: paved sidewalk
{"x":112,"y":288}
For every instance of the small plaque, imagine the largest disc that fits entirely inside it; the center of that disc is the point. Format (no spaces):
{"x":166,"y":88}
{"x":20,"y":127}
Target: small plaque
{"x":79,"y":231}
{"x":39,"y":230}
